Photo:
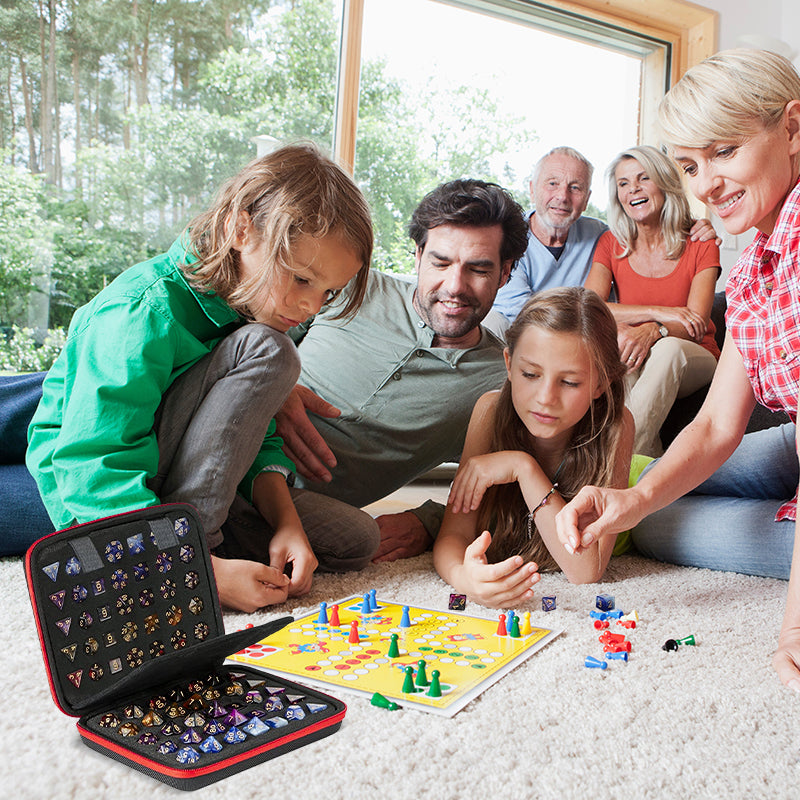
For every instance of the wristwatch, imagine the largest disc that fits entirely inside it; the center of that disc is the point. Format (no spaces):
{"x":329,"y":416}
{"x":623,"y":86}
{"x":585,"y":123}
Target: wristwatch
{"x":663,"y":330}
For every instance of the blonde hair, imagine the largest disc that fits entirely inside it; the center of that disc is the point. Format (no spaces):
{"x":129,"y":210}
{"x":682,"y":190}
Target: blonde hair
{"x":676,"y":217}
{"x":591,"y":455}
{"x":734,"y":93}
{"x":292,"y":192}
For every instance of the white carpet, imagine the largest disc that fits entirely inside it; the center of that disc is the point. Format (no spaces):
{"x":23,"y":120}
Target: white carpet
{"x":710,"y":721}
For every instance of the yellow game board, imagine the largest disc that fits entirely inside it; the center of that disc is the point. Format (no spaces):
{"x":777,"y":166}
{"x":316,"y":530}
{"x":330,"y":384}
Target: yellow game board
{"x":467,"y":652}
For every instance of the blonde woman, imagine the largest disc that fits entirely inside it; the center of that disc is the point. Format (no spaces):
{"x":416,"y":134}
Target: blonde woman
{"x":733,"y":126}
{"x":665,"y":285}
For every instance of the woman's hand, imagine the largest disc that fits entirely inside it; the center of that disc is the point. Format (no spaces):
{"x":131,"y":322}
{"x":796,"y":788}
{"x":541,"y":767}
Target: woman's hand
{"x":787,"y":658}
{"x":693,"y":322}
{"x":480,"y":472}
{"x":507,"y":584}
{"x":635,"y":342}
{"x":595,"y":512}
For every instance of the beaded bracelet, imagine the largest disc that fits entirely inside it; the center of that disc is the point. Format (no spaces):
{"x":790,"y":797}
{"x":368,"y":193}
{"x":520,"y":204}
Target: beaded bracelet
{"x":542,"y":503}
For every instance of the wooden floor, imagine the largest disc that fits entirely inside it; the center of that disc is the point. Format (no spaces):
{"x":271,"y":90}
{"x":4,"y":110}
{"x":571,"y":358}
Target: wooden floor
{"x":410,"y":496}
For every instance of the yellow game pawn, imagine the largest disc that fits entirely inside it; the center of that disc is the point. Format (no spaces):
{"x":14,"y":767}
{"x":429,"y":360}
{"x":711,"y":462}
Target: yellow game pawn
{"x":526,"y":624}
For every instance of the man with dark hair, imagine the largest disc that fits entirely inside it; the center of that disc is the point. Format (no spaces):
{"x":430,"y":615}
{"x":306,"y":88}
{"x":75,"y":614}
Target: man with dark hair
{"x":400,"y":379}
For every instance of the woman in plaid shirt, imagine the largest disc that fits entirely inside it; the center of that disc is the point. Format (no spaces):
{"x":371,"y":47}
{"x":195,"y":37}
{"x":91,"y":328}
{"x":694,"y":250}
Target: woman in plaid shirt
{"x":733,"y":126}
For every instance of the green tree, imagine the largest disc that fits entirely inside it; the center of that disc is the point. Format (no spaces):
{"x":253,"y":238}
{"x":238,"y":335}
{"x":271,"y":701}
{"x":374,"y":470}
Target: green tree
{"x":25,"y":249}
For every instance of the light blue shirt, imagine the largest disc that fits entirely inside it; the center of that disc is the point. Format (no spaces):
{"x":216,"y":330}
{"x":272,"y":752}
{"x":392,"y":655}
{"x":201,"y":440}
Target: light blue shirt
{"x":538,"y":268}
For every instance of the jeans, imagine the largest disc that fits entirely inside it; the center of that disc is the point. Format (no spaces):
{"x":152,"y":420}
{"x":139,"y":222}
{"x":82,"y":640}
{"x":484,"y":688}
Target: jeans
{"x":728,"y":522}
{"x":209,"y":426}
{"x":23,"y":517}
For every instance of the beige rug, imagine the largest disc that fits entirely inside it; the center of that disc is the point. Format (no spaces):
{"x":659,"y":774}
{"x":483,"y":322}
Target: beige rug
{"x":710,"y":721}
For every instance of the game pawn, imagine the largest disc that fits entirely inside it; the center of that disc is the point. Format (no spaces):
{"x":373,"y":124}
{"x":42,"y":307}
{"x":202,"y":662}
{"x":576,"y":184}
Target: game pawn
{"x":394,"y":647}
{"x":435,"y":689}
{"x":422,"y":678}
{"x":408,"y":681}
{"x":334,"y":621}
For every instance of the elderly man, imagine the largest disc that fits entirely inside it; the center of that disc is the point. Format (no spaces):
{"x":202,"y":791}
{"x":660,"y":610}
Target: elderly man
{"x":390,"y":392}
{"x":561,"y":239}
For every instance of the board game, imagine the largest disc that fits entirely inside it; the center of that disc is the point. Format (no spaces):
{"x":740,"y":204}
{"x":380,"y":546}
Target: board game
{"x":466,"y":653}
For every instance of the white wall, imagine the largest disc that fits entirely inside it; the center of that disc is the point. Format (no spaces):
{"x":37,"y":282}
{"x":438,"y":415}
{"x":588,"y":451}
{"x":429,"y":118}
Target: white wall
{"x":772,"y":24}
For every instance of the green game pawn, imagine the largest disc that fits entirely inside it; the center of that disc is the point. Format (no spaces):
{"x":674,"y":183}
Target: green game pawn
{"x":394,"y":647}
{"x":408,"y":681}
{"x":422,"y":678}
{"x":514,"y":632}
{"x":687,"y":640}
{"x":435,"y":689}
{"x":382,"y":702}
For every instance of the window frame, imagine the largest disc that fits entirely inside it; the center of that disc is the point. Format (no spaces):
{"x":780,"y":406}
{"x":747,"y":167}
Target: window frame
{"x":688,"y":29}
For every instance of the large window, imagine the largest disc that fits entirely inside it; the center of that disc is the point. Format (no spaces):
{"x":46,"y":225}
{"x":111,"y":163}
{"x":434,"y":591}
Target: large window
{"x":119,"y":118}
{"x":482,"y":90}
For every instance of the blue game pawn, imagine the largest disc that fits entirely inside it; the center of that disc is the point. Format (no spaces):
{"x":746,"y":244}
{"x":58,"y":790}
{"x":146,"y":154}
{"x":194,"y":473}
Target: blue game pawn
{"x":365,"y":609}
{"x":373,"y":602}
{"x":405,"y":620}
{"x":322,"y":619}
{"x":510,"y":617}
{"x":595,"y":663}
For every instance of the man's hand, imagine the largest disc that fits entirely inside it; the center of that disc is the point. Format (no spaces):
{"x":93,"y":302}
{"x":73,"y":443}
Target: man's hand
{"x":301,"y":440}
{"x":402,"y":536}
{"x":703,"y":231}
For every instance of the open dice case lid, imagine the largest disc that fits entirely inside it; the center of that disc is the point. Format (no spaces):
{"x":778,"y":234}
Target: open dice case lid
{"x":133,"y":640}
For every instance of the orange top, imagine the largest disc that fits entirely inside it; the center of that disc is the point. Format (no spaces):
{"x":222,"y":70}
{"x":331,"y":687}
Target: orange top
{"x":668,"y":290}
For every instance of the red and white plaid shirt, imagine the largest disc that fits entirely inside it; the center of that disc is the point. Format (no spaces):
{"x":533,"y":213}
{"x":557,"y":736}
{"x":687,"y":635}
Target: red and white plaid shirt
{"x":763,"y":294}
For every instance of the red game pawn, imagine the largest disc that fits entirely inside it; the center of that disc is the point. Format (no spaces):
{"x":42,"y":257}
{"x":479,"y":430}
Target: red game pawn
{"x":334,"y":619}
{"x":353,"y":638}
{"x":501,"y":626}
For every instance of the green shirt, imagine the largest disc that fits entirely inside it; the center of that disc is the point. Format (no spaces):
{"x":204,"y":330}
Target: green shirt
{"x":405,"y":404}
{"x":91,"y":443}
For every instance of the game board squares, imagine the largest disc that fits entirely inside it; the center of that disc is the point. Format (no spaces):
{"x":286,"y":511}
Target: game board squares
{"x":51,"y":570}
{"x":64,"y":625}
{"x":69,"y":651}
{"x":58,"y":598}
